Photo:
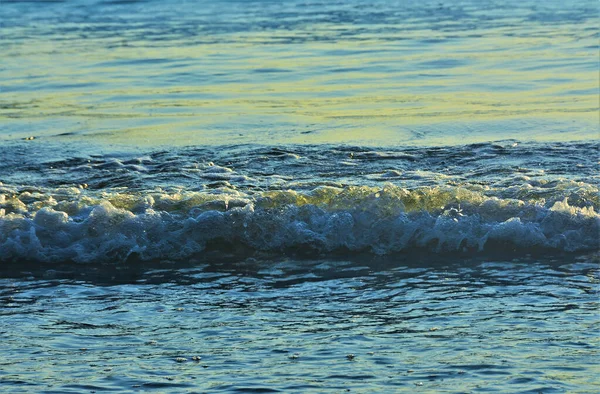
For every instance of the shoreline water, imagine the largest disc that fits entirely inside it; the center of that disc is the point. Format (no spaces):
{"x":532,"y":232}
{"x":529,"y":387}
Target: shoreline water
{"x":289,"y":196}
{"x":258,"y":325}
{"x":307,"y":198}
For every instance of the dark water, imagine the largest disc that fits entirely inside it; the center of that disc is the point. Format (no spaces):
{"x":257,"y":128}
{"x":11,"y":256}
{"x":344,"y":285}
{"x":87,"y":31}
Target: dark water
{"x":370,"y":325}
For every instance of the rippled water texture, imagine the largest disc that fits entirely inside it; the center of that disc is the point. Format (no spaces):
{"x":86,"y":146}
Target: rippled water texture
{"x":299,"y":196}
{"x":418,"y":325}
{"x":368,"y":72}
{"x":525,"y":198}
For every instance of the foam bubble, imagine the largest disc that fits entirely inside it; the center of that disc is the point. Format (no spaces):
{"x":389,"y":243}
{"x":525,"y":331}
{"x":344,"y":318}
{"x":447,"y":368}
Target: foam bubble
{"x":86,"y":226}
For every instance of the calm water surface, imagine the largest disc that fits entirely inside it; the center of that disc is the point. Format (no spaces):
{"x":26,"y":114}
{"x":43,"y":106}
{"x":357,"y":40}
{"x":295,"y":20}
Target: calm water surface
{"x":363,"y":72}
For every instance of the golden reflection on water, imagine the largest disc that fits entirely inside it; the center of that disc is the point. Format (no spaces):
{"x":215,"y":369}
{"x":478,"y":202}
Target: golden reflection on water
{"x":413,"y":86}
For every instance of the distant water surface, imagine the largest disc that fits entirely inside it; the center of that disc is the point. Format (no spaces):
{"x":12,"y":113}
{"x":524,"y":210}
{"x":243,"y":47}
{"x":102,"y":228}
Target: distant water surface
{"x":294,"y":71}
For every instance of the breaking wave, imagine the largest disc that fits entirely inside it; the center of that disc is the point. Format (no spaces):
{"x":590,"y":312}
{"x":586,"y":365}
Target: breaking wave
{"x":74,"y":224}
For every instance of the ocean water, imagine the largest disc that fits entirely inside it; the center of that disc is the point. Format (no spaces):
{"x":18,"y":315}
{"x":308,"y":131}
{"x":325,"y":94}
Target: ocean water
{"x":299,"y":196}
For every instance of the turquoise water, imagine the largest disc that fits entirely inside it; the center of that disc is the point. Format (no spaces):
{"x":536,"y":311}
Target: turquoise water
{"x":293,"y":196}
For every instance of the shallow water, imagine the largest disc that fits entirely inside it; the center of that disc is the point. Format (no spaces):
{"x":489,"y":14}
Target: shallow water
{"x":370,"y":325}
{"x":365,"y":196}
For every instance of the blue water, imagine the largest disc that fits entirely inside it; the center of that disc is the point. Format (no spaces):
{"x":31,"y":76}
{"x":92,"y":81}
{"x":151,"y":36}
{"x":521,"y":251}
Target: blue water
{"x":262,"y":196}
{"x":420,"y":325}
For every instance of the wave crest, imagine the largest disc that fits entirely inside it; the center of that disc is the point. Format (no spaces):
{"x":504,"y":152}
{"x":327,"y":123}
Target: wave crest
{"x":72,"y":225}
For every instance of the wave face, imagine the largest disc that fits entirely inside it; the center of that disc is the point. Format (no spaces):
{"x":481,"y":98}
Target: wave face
{"x":472,"y":199}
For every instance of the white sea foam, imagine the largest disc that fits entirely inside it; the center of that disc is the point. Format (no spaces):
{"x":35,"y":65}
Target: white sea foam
{"x":71,"y":225}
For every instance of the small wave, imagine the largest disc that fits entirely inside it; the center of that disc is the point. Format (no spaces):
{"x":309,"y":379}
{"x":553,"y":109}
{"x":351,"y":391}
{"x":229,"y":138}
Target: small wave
{"x":74,"y":224}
